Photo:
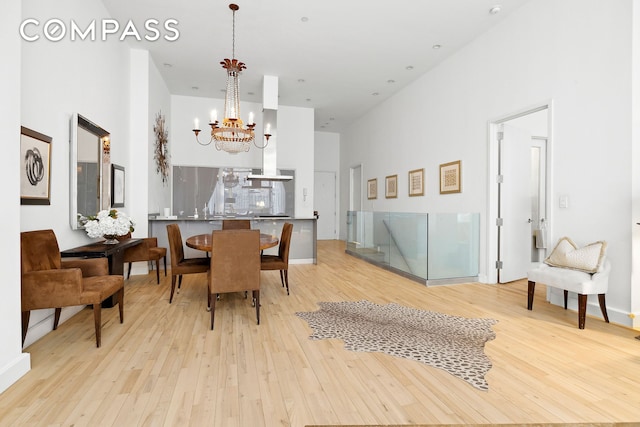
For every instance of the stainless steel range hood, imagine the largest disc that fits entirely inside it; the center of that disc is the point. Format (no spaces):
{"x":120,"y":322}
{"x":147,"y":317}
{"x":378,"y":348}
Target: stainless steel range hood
{"x":270,"y":116}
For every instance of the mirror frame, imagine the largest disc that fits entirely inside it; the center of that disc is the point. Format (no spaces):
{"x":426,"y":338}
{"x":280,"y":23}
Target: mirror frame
{"x":104,"y":158}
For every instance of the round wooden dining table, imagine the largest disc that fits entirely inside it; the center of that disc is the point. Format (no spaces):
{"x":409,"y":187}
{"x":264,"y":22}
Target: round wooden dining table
{"x":203,"y":242}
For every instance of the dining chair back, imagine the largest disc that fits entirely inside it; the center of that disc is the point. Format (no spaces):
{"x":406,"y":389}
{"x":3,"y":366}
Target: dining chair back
{"x":236,"y":224}
{"x":148,"y":251}
{"x":281,"y":261}
{"x":179,"y":264}
{"x":235,"y":265}
{"x":50,"y":282}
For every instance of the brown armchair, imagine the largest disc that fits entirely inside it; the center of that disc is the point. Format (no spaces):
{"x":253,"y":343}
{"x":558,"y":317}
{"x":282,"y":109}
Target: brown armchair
{"x":235,"y":265}
{"x":236,"y":224}
{"x":148,"y":250}
{"x":49,"y":282}
{"x":179,"y":264}
{"x":280,"y":261}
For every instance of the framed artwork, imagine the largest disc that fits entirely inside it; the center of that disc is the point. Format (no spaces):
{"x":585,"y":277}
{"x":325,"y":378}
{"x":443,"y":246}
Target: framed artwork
{"x":391,"y":187}
{"x":416,"y":182}
{"x":35,"y":162}
{"x":372,"y":189}
{"x":117,"y":186}
{"x":450,"y":178}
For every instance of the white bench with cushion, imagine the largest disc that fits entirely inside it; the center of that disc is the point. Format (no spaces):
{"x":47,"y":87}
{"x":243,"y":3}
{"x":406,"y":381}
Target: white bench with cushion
{"x":584,"y":271}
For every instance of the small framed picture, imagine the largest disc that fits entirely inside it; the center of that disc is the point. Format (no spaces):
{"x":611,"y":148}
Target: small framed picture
{"x":372,"y":189}
{"x":450,"y":174}
{"x":391,"y":187}
{"x":416,"y":182}
{"x":117,"y":186}
{"x":35,"y":168}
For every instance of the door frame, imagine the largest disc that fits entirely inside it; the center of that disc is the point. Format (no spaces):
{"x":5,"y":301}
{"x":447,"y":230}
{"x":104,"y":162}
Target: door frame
{"x":492,"y":184}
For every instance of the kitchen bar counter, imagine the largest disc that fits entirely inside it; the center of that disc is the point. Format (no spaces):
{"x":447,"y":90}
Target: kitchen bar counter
{"x":303,"y":241}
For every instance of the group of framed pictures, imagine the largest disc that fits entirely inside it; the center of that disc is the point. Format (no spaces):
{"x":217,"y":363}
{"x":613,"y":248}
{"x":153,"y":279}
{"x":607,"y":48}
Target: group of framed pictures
{"x":35,"y":176}
{"x":450,"y":182}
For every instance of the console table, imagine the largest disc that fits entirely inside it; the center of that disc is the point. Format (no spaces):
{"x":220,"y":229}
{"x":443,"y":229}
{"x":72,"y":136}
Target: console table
{"x":113,"y":253}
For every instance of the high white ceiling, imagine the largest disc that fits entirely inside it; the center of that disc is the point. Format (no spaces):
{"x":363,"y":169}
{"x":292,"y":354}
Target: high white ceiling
{"x":341,"y":57}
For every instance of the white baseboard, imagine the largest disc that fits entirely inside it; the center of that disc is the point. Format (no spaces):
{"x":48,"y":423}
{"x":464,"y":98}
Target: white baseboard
{"x":14,"y":370}
{"x":616,"y":316}
{"x":45,"y":326}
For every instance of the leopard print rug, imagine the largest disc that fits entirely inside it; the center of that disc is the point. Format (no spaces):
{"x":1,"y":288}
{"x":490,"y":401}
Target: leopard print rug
{"x":455,"y":344}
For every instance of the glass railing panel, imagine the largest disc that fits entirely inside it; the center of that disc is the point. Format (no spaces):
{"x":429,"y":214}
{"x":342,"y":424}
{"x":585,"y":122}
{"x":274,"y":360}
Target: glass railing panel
{"x":408,"y":243}
{"x":453,"y":245}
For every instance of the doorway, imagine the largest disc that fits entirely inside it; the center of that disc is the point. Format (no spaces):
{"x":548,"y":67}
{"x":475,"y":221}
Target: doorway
{"x":324,"y":202}
{"x":519,"y":223}
{"x":355,"y":204}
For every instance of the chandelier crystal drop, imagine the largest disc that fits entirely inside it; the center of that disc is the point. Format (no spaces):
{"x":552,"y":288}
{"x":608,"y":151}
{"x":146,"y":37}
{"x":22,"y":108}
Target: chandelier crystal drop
{"x":233,"y":136}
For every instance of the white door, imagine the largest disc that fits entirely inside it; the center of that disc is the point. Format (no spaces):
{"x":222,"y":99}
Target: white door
{"x":515,"y":234}
{"x":324,"y":202}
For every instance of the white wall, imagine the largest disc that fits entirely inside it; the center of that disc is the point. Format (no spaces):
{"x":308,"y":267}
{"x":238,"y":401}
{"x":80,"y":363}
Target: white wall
{"x":13,"y":363}
{"x":294,"y":148}
{"x":159,"y":102}
{"x":581,"y":59}
{"x":635,"y":162}
{"x":58,"y":79}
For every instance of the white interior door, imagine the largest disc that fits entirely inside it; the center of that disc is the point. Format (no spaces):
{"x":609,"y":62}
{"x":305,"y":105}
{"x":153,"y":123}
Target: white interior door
{"x":324,"y":203}
{"x":515,"y":234}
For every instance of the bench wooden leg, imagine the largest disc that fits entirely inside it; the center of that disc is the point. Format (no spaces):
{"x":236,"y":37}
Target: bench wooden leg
{"x":566,"y":297}
{"x":603,"y":307}
{"x":530,"y":292}
{"x":582,"y":310}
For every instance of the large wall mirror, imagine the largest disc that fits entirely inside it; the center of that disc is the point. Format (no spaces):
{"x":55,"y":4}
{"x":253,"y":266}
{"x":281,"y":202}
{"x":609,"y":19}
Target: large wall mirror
{"x":89,"y":160}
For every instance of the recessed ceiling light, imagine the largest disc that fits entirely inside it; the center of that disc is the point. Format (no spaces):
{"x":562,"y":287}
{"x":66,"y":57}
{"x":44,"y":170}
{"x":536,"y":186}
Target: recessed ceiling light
{"x":308,"y":99}
{"x":332,"y":118}
{"x":304,"y":19}
{"x":300,"y":80}
{"x":167,"y":65}
{"x":195,"y":87}
{"x":409,"y":67}
{"x":436,"y":46}
{"x":250,"y":93}
{"x":495,"y":9}
{"x":375,"y":94}
{"x":223,"y":90}
{"x":391,"y":81}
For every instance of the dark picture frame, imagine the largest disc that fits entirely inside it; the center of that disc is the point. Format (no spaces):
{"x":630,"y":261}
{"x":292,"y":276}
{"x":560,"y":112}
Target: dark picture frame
{"x":35,"y":167}
{"x":117,"y":186}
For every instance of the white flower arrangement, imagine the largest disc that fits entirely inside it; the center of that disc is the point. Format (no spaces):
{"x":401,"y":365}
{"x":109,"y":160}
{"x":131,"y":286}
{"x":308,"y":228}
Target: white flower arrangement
{"x":108,"y":223}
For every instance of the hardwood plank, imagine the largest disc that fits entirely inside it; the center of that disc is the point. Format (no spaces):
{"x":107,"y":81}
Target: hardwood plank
{"x":164,"y":366}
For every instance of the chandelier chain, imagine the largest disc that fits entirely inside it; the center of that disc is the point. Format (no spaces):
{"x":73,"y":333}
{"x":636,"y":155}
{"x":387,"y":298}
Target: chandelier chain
{"x":233,"y":36}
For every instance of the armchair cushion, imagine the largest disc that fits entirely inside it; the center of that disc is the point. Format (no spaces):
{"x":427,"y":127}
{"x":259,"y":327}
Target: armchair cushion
{"x":566,"y":254}
{"x":572,"y":280}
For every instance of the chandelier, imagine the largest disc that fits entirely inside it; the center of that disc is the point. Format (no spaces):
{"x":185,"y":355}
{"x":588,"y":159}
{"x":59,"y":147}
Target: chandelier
{"x":233,"y":136}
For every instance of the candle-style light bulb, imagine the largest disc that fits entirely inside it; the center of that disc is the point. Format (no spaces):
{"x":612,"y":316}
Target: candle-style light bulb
{"x":214,"y":116}
{"x":196,"y":123}
{"x":267,"y":129}
{"x":251,"y":118}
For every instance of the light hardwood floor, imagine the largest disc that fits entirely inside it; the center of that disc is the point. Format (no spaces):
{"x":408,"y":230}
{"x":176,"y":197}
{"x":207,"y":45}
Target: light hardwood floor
{"x":164,"y":366}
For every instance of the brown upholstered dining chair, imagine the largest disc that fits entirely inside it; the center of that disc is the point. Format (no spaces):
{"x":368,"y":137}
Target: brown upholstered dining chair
{"x":236,"y":224}
{"x":280,"y":261}
{"x":235,"y":265}
{"x":179,"y":264}
{"x":49,"y":282}
{"x":147,"y":251}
